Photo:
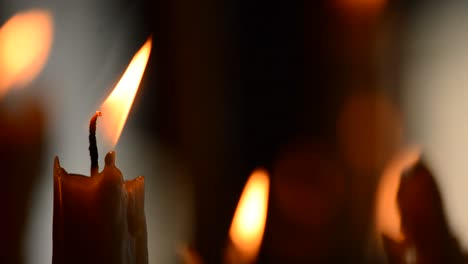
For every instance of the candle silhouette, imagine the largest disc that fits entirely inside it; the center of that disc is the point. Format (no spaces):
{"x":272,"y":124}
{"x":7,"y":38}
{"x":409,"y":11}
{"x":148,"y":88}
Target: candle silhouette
{"x":101,"y":219}
{"x":387,"y":211}
{"x":426,"y":231}
{"x":25,"y":42}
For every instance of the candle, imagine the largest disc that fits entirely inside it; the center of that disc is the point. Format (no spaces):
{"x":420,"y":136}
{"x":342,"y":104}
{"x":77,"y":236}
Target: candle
{"x":389,"y":236}
{"x":25,"y":41}
{"x":423,"y":221}
{"x":426,"y":235}
{"x":387,"y":217}
{"x":248,"y":224}
{"x":247,"y":227}
{"x":101,"y":218}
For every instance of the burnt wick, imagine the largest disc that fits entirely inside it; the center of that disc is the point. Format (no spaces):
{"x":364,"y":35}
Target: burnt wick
{"x":93,"y":151}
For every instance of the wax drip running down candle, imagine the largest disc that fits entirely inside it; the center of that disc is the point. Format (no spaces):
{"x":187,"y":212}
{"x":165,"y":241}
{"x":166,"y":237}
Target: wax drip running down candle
{"x":101,"y":219}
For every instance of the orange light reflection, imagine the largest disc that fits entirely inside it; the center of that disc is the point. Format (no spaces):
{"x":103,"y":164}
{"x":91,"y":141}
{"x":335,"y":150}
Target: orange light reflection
{"x":116,"y":107}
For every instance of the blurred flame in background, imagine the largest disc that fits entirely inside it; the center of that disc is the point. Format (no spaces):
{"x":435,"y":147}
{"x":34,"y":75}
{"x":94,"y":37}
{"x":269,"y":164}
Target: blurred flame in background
{"x":249,"y":220}
{"x":25,"y":42}
{"x":388,"y":219}
{"x":117,"y":106}
{"x":361,"y":6}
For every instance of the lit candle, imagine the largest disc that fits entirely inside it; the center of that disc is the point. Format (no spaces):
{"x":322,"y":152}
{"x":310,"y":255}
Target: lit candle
{"x":387,"y":214}
{"x":248,"y":224}
{"x":25,"y":41}
{"x":247,"y":227}
{"x":101,"y":219}
{"x":387,"y":218}
{"x":427,"y":235}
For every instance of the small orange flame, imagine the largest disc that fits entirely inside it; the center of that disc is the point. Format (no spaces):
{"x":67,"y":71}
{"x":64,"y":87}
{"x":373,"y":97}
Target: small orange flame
{"x":388,"y":217}
{"x":25,"y":42}
{"x":117,"y":105}
{"x":248,"y":224}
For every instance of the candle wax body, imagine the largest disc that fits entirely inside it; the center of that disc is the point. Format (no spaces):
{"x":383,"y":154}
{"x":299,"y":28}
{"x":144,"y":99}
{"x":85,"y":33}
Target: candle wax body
{"x":98,"y":219}
{"x":21,"y":142}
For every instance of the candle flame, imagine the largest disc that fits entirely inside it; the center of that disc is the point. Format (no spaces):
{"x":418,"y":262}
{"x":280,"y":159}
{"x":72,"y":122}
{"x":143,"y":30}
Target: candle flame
{"x":388,"y":218}
{"x":25,"y":42}
{"x":116,"y":107}
{"x":249,"y":220}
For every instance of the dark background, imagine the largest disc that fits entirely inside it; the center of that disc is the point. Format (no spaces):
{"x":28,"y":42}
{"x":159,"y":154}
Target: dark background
{"x":242,"y":84}
{"x":240,"y":81}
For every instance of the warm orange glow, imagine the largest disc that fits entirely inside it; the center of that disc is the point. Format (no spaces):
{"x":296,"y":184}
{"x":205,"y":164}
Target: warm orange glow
{"x":25,"y":42}
{"x":248,"y":224}
{"x":370,"y":131}
{"x":117,"y":106}
{"x":362,"y":5}
{"x":387,"y":213}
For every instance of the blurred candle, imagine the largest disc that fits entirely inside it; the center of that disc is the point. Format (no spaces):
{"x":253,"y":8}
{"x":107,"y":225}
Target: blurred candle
{"x":389,"y":235}
{"x":388,"y":219}
{"x":25,"y":42}
{"x":248,"y":224}
{"x":423,"y":221}
{"x":101,"y":219}
{"x":427,"y":236}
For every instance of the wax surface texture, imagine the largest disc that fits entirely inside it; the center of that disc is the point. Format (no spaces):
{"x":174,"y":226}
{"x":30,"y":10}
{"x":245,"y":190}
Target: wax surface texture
{"x":99,"y":219}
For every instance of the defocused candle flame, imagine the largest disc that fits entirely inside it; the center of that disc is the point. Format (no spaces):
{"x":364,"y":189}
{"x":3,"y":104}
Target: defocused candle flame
{"x":361,"y":5}
{"x":388,"y":217}
{"x":116,"y":107}
{"x":25,"y":42}
{"x":249,"y":220}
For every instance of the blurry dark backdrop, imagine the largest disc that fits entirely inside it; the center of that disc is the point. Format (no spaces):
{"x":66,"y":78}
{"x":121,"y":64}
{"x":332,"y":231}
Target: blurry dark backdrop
{"x":243,"y":84}
{"x":296,"y":87}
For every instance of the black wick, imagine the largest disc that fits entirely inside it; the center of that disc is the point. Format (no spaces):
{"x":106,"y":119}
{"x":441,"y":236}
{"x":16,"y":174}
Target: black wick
{"x":93,"y":151}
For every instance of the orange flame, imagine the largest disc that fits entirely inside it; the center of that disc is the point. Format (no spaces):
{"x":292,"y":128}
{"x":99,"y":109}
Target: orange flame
{"x":25,"y":42}
{"x":116,"y":107}
{"x":388,"y":217}
{"x":248,"y":224}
